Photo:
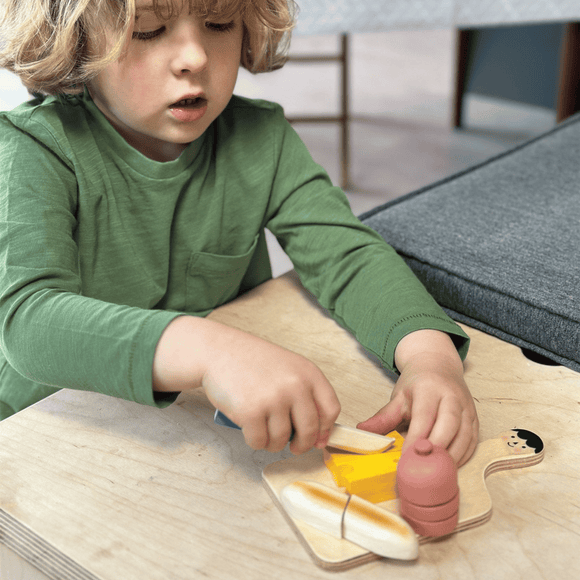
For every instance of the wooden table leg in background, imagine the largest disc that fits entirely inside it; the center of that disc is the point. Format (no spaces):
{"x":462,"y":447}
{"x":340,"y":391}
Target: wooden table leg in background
{"x":462,"y":50}
{"x":568,"y":99}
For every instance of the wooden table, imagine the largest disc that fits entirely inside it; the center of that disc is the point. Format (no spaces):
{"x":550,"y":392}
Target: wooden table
{"x":94,"y":487}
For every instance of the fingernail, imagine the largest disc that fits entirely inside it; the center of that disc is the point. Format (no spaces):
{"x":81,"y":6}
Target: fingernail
{"x":322,"y":441}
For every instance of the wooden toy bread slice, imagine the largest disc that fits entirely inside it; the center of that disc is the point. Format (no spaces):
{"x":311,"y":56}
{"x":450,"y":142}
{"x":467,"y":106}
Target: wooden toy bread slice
{"x":379,"y":531}
{"x":318,"y":505}
{"x":351,"y":518}
{"x":358,"y":441}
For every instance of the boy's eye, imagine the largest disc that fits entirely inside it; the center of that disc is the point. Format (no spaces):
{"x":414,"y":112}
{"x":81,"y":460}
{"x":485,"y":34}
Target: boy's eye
{"x":220,"y":26}
{"x":148,"y":35}
{"x":212,"y":26}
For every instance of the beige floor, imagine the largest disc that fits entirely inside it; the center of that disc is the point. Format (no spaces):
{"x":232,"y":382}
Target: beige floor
{"x":401,"y":95}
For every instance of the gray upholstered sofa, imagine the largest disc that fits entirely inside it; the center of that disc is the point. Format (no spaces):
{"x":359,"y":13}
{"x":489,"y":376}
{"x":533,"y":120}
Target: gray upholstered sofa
{"x":498,"y":245}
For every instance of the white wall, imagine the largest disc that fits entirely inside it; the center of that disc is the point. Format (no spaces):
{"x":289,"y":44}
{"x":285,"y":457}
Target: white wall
{"x":12,"y":93}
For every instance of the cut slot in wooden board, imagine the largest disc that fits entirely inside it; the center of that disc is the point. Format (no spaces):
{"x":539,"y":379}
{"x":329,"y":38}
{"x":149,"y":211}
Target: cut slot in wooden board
{"x":509,"y":450}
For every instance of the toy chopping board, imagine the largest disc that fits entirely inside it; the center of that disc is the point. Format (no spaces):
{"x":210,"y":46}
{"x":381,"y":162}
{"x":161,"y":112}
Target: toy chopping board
{"x":511,"y":449}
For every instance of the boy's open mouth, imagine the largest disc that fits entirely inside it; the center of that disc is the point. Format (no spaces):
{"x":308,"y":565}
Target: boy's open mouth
{"x":189,"y":103}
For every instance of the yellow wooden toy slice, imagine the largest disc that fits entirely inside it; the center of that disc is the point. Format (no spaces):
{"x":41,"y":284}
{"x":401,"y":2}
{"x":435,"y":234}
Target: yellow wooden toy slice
{"x":372,"y":477}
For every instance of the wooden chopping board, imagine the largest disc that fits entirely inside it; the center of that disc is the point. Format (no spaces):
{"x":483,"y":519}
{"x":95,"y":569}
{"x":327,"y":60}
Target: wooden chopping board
{"x":509,"y":450}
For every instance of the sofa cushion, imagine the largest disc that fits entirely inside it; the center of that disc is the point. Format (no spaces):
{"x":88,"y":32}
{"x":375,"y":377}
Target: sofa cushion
{"x":498,"y":245}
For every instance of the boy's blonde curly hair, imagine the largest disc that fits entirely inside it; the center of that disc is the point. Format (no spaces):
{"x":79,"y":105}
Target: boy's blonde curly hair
{"x":50,"y":44}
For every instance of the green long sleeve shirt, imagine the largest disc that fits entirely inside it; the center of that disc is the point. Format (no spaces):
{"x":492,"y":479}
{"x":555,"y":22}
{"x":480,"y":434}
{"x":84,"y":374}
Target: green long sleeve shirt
{"x":101,"y":247}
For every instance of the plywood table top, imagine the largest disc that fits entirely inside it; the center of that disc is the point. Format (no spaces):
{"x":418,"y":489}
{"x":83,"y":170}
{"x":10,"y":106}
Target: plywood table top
{"x":93,"y":487}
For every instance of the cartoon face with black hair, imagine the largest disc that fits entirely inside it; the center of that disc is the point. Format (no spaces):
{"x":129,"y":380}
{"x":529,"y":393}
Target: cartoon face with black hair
{"x":521,"y":441}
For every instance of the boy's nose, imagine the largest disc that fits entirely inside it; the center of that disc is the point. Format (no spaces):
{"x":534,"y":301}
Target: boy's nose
{"x":190,"y":54}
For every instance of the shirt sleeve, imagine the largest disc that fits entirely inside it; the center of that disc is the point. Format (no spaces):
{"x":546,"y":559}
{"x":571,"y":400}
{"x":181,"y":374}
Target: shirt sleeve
{"x":50,"y":332}
{"x":364,"y":284}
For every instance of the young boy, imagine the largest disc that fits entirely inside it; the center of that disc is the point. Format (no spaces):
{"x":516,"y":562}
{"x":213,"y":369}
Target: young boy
{"x":134,"y":200}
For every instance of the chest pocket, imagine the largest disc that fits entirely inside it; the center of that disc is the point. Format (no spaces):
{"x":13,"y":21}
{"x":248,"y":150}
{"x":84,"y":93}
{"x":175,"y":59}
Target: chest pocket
{"x":214,"y":279}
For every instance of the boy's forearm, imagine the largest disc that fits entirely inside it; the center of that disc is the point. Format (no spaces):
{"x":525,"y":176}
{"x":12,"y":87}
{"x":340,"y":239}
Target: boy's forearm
{"x":178,"y":364}
{"x":427,"y":344}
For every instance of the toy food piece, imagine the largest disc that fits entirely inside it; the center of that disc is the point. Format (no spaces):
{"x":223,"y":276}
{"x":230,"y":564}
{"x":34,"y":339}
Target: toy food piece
{"x":372,"y":477}
{"x":341,"y":437}
{"x":358,"y":441}
{"x":350,"y":518}
{"x":379,"y":531}
{"x":318,"y":505}
{"x":428,"y":489}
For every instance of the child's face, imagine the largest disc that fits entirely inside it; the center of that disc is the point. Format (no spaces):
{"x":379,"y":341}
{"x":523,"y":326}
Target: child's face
{"x":165,"y":62}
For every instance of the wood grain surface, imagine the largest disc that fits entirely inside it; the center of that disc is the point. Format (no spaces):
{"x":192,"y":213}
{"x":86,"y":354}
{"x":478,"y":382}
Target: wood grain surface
{"x":95,"y":487}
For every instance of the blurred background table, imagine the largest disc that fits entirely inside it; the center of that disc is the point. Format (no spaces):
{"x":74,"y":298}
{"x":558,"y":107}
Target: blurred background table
{"x":536,"y":60}
{"x":336,"y":16}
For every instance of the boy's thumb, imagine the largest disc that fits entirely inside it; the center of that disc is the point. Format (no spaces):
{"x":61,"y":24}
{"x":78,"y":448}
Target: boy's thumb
{"x":384,"y":421}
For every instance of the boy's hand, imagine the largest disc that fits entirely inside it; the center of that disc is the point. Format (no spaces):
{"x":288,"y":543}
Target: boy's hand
{"x":430,"y":396}
{"x":262,"y":387}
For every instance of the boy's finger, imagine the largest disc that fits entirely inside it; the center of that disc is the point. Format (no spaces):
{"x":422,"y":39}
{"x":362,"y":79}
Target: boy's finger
{"x":423,"y":417}
{"x":328,"y":407}
{"x":470,"y":450}
{"x":385,"y":420}
{"x":447,"y":426}
{"x":464,"y":444}
{"x":279,"y":431}
{"x":256,"y":433}
{"x":306,"y":426}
